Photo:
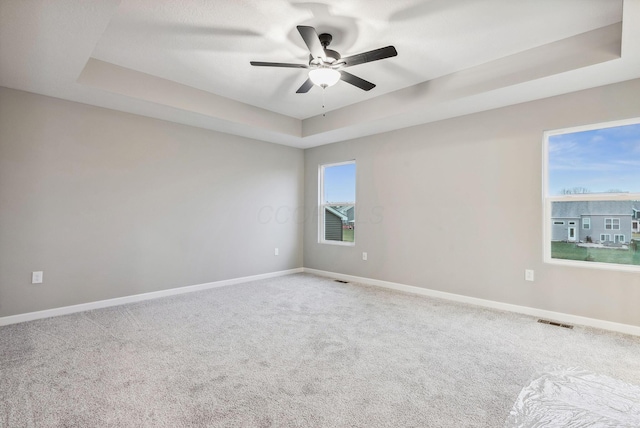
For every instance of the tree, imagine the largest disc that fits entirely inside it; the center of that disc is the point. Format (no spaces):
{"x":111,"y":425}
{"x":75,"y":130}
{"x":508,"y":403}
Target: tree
{"x":575,"y":191}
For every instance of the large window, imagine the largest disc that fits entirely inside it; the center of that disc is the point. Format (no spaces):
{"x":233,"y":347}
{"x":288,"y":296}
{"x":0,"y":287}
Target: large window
{"x":592,"y":173}
{"x":337,"y":203}
{"x":612,"y":223}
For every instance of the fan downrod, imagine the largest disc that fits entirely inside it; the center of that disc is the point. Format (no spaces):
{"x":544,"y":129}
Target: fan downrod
{"x":325,"y":39}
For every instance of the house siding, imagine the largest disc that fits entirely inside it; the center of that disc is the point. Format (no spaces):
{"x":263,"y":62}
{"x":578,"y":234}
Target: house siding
{"x":351,"y":215}
{"x":332,"y":226}
{"x":597,"y":227}
{"x":596,"y":211}
{"x":560,"y":232}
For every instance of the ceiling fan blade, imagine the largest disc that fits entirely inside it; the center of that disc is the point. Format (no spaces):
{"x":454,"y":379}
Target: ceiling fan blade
{"x":312,"y":41}
{"x":373,"y":55}
{"x":278,"y":64}
{"x":356,"y":81}
{"x":306,"y":86}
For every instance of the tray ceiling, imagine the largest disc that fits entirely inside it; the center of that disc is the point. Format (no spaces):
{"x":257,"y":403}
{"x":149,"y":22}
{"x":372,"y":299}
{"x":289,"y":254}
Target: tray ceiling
{"x":188,"y":61}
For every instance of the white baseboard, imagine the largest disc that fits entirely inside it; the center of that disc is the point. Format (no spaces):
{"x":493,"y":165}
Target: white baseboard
{"x":30,"y":316}
{"x":539,"y":313}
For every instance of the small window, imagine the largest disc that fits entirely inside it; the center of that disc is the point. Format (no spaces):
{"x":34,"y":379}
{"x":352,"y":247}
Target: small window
{"x":337,"y":203}
{"x":559,"y":223}
{"x":572,"y":223}
{"x":586,"y":223}
{"x":612,"y":223}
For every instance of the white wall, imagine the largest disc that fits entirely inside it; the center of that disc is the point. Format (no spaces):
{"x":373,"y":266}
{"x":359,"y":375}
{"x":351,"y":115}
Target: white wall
{"x":456,"y":206}
{"x":110,"y":204}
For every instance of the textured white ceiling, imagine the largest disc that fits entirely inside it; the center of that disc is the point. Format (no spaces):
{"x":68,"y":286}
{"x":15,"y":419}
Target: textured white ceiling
{"x":208,"y":45}
{"x":195,"y":55}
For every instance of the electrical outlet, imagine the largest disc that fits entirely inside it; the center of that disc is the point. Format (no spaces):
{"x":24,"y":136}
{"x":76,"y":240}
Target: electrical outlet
{"x":276,"y":252}
{"x":364,"y":256}
{"x":36,"y":277}
{"x":528,"y":274}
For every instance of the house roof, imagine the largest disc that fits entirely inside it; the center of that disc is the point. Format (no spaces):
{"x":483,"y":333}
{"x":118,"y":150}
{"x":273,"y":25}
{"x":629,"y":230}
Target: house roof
{"x":337,"y":213}
{"x":344,"y":208}
{"x":575,"y":209}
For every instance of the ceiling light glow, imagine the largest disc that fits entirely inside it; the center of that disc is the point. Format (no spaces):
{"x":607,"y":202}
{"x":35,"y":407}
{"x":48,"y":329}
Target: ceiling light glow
{"x":324,"y":77}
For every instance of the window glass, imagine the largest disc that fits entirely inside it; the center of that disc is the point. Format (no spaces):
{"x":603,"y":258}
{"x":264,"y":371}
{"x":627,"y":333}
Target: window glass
{"x":593,"y":174}
{"x":337,"y":203}
{"x":340,"y":183}
{"x":603,"y":160}
{"x":612,"y":223}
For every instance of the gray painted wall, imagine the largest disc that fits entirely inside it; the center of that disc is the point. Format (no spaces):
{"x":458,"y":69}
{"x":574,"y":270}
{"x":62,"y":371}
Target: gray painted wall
{"x":110,"y":204}
{"x":456,"y":206}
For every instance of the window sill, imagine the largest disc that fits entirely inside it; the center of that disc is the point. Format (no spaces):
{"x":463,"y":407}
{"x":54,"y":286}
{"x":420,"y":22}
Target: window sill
{"x":594,"y":265}
{"x":338,"y":243}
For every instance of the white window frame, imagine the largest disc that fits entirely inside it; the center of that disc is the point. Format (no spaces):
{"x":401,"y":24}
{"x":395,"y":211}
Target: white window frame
{"x":620,"y":241}
{"x":322,"y":205}
{"x":605,"y":237}
{"x":613,"y":223}
{"x":558,"y":223}
{"x":586,"y":223}
{"x":548,"y":199}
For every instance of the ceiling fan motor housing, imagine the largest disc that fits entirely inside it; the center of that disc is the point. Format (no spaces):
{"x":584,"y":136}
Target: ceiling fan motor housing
{"x":331,"y":55}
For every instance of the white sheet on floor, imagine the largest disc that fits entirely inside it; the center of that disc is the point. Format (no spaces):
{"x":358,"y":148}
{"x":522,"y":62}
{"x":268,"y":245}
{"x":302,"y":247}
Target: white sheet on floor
{"x":576,"y":398}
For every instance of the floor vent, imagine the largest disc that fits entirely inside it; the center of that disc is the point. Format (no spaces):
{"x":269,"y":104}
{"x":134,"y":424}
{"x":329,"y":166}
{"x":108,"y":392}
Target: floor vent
{"x":557,"y":324}
{"x":341,"y":281}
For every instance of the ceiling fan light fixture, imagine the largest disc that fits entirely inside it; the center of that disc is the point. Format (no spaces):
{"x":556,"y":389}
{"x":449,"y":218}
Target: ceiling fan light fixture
{"x":325,"y":65}
{"x":324,"y":77}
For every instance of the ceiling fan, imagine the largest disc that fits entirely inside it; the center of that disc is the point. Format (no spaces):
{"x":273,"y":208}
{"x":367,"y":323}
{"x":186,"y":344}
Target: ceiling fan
{"x":327,"y":65}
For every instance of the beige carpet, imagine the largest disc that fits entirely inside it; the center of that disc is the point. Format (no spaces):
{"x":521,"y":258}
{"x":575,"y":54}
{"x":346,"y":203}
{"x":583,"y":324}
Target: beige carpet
{"x":293,"y":351}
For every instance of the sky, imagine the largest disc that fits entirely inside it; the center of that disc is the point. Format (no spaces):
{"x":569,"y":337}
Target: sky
{"x":340,"y":183}
{"x":599,"y":160}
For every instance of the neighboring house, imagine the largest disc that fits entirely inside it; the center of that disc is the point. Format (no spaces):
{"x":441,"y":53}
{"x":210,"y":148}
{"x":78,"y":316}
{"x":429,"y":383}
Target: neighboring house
{"x":349,"y":216}
{"x":333,"y":221}
{"x":598,"y":221}
{"x":635,"y":222}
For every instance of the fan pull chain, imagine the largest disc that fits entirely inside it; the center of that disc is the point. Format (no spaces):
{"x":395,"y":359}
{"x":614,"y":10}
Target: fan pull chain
{"x":323,"y":111}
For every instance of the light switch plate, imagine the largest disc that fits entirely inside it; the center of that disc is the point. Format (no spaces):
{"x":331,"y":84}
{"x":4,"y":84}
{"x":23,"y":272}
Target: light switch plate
{"x":37,"y":277}
{"x":528,"y":275}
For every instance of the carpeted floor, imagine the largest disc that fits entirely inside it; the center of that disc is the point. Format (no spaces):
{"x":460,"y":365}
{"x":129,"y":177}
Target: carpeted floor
{"x":298,"y":350}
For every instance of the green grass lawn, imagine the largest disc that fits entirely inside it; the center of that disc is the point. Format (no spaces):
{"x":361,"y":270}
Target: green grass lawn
{"x":347,"y":235}
{"x":564,"y":250}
